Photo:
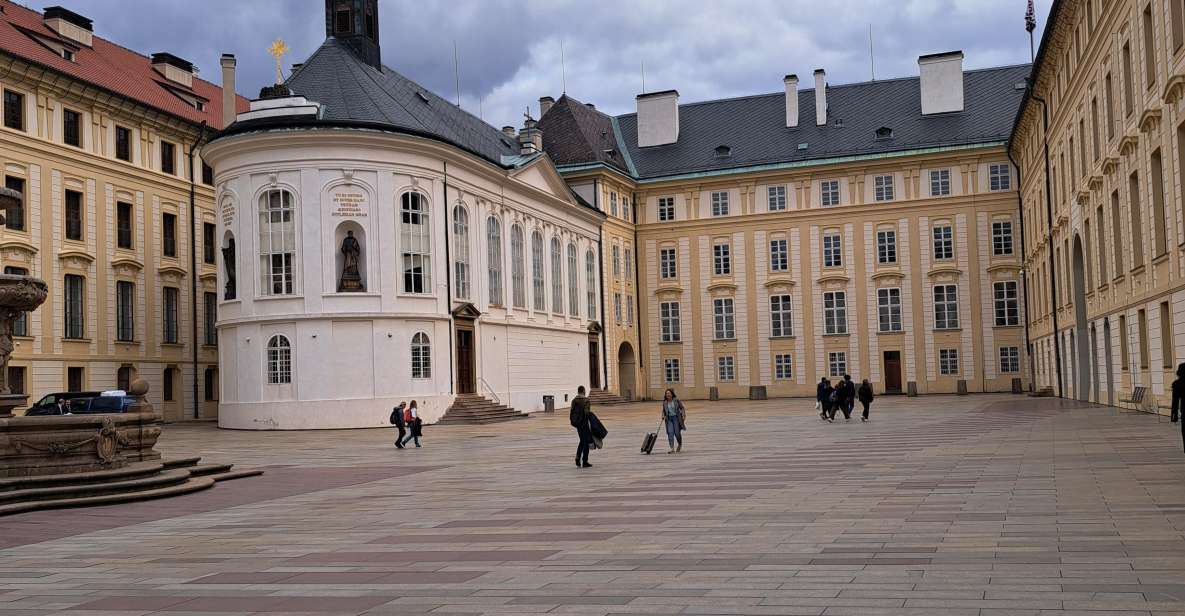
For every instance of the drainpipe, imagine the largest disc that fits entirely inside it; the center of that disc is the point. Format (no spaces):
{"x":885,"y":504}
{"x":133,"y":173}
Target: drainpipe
{"x":1057,"y":346}
{"x":601,"y":290}
{"x":193,"y":268}
{"x":448,"y":283}
{"x":637,"y":292}
{"x":1024,"y":274}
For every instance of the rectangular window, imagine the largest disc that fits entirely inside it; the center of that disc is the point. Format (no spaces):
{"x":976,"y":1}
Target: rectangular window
{"x":14,"y":110}
{"x":829,"y":193}
{"x":629,"y":264}
{"x":886,"y":247}
{"x":125,"y":311}
{"x":668,"y":317}
{"x":1000,"y":176}
{"x":16,"y":380}
{"x":211,"y":384}
{"x":1116,"y":233}
{"x":837,"y":364}
{"x":1009,"y":360}
{"x":71,"y":128}
{"x":946,"y":306}
{"x":1177,"y":17}
{"x":1006,"y":303}
{"x":616,"y":262}
{"x":1133,"y":187}
{"x":1149,"y":49}
{"x":1142,"y":323}
{"x":629,"y":311}
{"x":781,"y":316}
{"x":1002,"y":238}
{"x":1094,"y":127}
{"x":73,"y":215}
{"x":884,"y":187}
{"x":15,"y":218}
{"x":1166,"y":336}
{"x":1160,"y":241}
{"x":726,"y":368}
{"x":671,"y":370}
{"x":20,"y":325}
{"x":613,"y":203}
{"x":948,"y":361}
{"x":776,"y":198}
{"x":721,"y":260}
{"x":211,"y":318}
{"x":617,"y":312}
{"x":1109,"y":96}
{"x":625,"y":208}
{"x":667,"y":264}
{"x":835,"y":312}
{"x":75,"y":315}
{"x":1129,"y":95}
{"x":168,"y":158}
{"x":1102,"y":244}
{"x":783,"y":367}
{"x":168,"y":223}
{"x":832,"y":250}
{"x":888,"y":308}
{"x":724,"y":319}
{"x":939,"y":182}
{"x":123,"y":143}
{"x":207,"y":175}
{"x":720,"y":203}
{"x":172,"y":304}
{"x":123,"y":225}
{"x":944,"y":243}
{"x":666,"y":209}
{"x":1124,"y":344}
{"x":208,"y":243}
{"x":779,"y":260}
{"x":75,"y":378}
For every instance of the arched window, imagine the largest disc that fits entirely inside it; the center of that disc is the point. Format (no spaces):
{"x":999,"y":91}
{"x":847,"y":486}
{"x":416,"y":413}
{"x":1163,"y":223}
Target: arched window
{"x":421,"y":356}
{"x":461,"y":249}
{"x":573,"y":287}
{"x":590,"y":283}
{"x":416,"y":239}
{"x":277,"y":243}
{"x":557,"y":277}
{"x":518,"y":268}
{"x":537,"y":286}
{"x":279,"y":361}
{"x":494,"y":257}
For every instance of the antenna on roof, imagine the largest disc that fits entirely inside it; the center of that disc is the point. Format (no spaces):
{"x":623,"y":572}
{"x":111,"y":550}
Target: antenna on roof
{"x":871,"y":57}
{"x":643,"y":76}
{"x":457,"y":71}
{"x":563,"y":71}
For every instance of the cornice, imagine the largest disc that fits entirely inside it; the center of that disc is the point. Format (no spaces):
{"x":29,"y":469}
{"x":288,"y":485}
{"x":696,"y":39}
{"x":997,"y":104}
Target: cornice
{"x":826,"y":278}
{"x":944,"y":271}
{"x":779,"y":282}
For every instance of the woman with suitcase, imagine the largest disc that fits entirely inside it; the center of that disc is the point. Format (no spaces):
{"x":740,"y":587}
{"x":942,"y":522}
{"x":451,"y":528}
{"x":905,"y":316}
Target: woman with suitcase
{"x":674,"y":415}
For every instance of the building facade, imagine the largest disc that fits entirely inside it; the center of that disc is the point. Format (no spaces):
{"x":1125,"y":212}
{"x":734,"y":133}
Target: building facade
{"x":97,"y":139}
{"x":1100,"y":140}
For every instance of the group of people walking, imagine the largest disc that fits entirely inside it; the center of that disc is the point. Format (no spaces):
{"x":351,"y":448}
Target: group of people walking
{"x":406,"y":418}
{"x":842,"y":396}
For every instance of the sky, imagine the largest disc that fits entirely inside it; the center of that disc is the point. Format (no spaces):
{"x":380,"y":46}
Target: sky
{"x":509,"y":51}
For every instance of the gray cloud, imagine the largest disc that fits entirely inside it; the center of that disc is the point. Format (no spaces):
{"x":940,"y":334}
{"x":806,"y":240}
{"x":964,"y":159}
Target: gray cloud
{"x":509,"y":50}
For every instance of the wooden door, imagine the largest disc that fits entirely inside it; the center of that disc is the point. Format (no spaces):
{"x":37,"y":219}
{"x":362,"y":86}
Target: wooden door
{"x":594,"y":371}
{"x":892,"y":372}
{"x":466,"y":372}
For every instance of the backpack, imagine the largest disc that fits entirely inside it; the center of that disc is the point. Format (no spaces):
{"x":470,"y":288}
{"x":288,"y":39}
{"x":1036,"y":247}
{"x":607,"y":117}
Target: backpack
{"x":407,"y":418}
{"x":395,"y":416}
{"x":834,"y":395}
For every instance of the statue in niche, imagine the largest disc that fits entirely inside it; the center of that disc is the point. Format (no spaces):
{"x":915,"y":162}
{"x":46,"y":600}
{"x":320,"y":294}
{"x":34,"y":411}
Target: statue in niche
{"x":228,"y":258}
{"x":351,"y":280}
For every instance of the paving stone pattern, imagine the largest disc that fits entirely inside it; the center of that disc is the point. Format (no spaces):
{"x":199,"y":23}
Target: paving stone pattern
{"x":944,"y":506}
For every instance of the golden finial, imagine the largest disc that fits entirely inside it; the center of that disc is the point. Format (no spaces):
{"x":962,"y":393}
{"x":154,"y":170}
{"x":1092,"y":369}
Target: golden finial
{"x":277,"y":50}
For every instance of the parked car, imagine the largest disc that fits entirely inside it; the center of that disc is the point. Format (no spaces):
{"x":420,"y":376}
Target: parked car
{"x":48,"y":404}
{"x":117,"y":403}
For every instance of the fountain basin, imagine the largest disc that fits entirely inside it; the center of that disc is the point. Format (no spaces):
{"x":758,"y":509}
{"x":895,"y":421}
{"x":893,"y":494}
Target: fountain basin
{"x":21,"y":293}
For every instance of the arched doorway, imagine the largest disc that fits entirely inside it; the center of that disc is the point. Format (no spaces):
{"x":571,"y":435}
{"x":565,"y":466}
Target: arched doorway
{"x":1082,"y":356}
{"x":625,"y":371}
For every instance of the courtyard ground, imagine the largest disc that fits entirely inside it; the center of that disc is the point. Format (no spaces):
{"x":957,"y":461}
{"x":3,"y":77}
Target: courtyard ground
{"x":980,"y":505}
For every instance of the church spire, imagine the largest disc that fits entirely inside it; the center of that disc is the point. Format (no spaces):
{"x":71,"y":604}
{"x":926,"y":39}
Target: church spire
{"x":355,"y":23}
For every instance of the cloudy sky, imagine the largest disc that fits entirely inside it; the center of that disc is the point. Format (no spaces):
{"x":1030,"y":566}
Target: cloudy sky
{"x":509,"y":50}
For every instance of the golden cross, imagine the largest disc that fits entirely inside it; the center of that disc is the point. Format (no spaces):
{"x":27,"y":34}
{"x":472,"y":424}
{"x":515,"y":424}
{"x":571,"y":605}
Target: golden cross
{"x":277,"y":50}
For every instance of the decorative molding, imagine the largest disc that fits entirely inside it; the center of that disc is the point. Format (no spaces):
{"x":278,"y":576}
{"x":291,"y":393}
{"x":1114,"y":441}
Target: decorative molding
{"x":721,"y":286}
{"x":832,"y":278}
{"x":889,"y":275}
{"x":1150,"y":120}
{"x":1128,"y":145}
{"x":948,"y":271}
{"x":779,"y":282}
{"x":1110,"y":164}
{"x":1095,"y":182}
{"x":16,"y":246}
{"x":127,"y":266}
{"x":669,"y":290}
{"x":171,"y":272}
{"x":1174,"y":89}
{"x":76,"y":258}
{"x":1084,"y":197}
{"x":1003,"y":267}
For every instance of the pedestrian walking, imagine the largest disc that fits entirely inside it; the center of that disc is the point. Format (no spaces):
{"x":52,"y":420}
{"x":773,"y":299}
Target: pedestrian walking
{"x":415,"y":425}
{"x":1179,"y":399}
{"x":674,"y":415}
{"x":820,"y":393}
{"x":829,"y":401}
{"x":848,"y":396}
{"x":865,"y":396}
{"x":397,"y":421}
{"x":578,"y":416}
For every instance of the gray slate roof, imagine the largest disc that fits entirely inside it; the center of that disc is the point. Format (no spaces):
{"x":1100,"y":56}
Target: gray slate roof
{"x":754,"y":127}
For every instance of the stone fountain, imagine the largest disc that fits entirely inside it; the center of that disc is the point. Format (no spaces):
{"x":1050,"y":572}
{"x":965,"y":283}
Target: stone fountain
{"x":18,"y":294}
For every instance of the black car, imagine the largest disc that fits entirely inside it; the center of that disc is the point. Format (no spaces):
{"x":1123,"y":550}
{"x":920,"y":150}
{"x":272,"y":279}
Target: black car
{"x":101,"y":404}
{"x":48,"y":404}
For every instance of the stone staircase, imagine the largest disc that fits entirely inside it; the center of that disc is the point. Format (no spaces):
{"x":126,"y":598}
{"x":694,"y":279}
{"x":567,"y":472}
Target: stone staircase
{"x":475,"y":409}
{"x":134,"y":482}
{"x":604,"y":397}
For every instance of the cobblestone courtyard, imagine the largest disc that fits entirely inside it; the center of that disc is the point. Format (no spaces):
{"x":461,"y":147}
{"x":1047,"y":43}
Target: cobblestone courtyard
{"x":982,"y":505}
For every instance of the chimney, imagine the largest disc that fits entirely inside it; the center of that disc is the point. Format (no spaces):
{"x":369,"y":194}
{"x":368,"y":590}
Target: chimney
{"x":545,"y":103}
{"x":791,"y":83}
{"x":530,"y":138}
{"x":174,"y":69}
{"x":508,"y":131}
{"x":69,"y":24}
{"x":941,"y":82}
{"x":658,"y":118}
{"x":229,"y":107}
{"x":820,"y":97}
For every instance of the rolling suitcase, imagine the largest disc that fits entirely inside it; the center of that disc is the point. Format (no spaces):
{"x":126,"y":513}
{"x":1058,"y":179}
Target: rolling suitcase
{"x":648,"y":442}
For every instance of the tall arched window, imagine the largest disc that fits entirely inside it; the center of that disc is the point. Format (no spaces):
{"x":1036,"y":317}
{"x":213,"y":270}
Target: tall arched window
{"x":494,"y":257}
{"x":277,"y":243}
{"x":537,"y":286}
{"x":590,"y":283}
{"x":573,"y":287}
{"x":518,"y":268}
{"x":557,"y":276}
{"x":279,"y":361}
{"x":461,"y":248}
{"x":416,"y":238}
{"x":421,"y":356}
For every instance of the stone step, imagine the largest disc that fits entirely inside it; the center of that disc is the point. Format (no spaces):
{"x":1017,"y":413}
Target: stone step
{"x":182,"y":462}
{"x":89,"y":490}
{"x":201,"y":470}
{"x":601,"y":397}
{"x":192,"y":484}
{"x":475,"y":409}
{"x":131,"y":471}
{"x":231,"y":475}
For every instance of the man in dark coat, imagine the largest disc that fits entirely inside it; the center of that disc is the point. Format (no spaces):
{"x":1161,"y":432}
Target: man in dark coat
{"x":848,"y":396}
{"x":397,"y":421}
{"x":578,"y":415}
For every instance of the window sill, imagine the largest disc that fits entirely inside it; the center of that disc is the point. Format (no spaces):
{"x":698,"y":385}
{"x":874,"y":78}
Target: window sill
{"x":81,"y":340}
{"x":672,"y":342}
{"x":1118,"y":279}
{"x":353,"y":294}
{"x":276,"y":298}
{"x":230,"y":302}
{"x":939,"y":330}
{"x":129,"y":343}
{"x":209,"y":347}
{"x":1017,"y":326}
{"x":843,"y":335}
{"x":891,"y":333}
{"x":172,"y":345}
{"x":1139,"y":269}
{"x":724,"y":339}
{"x":787,"y":337}
{"x":1157,"y":260}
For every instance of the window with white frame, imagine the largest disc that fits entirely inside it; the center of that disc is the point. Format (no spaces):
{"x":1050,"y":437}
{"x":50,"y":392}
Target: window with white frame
{"x":666,"y":209}
{"x":724,"y":318}
{"x":538,"y":288}
{"x":74,"y":319}
{"x":720,"y":203}
{"x":883,"y":186}
{"x":783,"y":366}
{"x":668,"y":319}
{"x":837,"y":364}
{"x":779,"y":257}
{"x":829,"y":193}
{"x":416,"y":240}
{"x":886,"y":247}
{"x":617,"y":308}
{"x":1009,"y":359}
{"x":667,"y":267}
{"x":721,"y":259}
{"x":277,"y":242}
{"x":888,"y":308}
{"x":629,"y":310}
{"x":944,"y":242}
{"x":776,"y":198}
{"x":726,"y":368}
{"x":625,"y":208}
{"x":557,"y":277}
{"x":461,"y":250}
{"x":494,"y":258}
{"x":573,"y":282}
{"x":946,"y":306}
{"x":948,"y":361}
{"x":671,"y":370}
{"x":835,"y":312}
{"x":939,"y":182}
{"x":781,"y":316}
{"x":1006,"y":304}
{"x":421,"y":356}
{"x":627,"y":270}
{"x":172,"y":300}
{"x":590,"y":283}
{"x":279,"y":361}
{"x":518,"y":266}
{"x":1002,"y":238}
{"x":616,"y":262}
{"x":832,"y":250}
{"x":999,"y":176}
{"x":613,"y":203}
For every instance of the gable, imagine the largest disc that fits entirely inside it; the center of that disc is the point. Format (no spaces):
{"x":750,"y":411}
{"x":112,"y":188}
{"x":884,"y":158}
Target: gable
{"x":541,"y":174}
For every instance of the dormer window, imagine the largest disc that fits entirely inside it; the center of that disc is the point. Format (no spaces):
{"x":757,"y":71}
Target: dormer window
{"x":838,"y":123}
{"x":67,"y":54}
{"x":884,"y":132}
{"x":342,"y":19}
{"x":723,"y":151}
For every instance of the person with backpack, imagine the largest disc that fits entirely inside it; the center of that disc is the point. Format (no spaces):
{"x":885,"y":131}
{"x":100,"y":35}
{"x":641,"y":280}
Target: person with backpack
{"x":825,"y":397}
{"x":578,"y":415}
{"x":411,"y":417}
{"x":820,"y":393}
{"x":865,"y":396}
{"x":397,"y":421}
{"x":847,"y":396}
{"x":674,"y":414}
{"x":834,"y":400}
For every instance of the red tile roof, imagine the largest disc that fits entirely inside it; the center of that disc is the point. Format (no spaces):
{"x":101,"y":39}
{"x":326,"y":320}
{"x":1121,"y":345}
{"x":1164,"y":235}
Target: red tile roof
{"x":108,"y":66}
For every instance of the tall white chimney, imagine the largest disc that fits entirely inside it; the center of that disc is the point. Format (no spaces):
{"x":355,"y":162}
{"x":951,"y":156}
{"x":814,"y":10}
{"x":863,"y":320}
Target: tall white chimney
{"x":545,"y":105}
{"x":658,"y":118}
{"x":820,"y":97}
{"x":791,"y":82}
{"x":941,"y":82}
{"x":228,"y":90}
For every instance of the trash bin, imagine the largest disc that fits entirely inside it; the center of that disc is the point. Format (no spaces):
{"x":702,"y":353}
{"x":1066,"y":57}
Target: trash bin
{"x":548,"y":404}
